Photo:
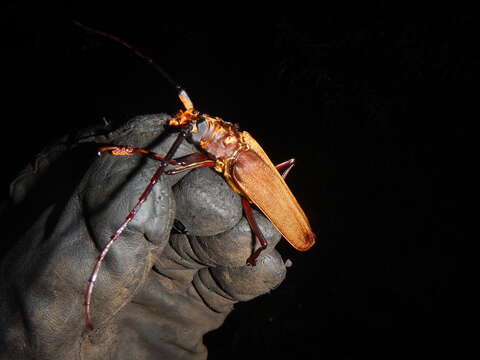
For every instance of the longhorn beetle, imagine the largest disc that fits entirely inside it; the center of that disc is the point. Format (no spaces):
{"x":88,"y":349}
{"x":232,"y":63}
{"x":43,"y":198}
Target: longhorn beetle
{"x":235,"y":154}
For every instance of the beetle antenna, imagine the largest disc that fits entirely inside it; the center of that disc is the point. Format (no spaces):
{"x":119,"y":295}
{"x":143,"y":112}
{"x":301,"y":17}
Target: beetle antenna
{"x":182,"y":94}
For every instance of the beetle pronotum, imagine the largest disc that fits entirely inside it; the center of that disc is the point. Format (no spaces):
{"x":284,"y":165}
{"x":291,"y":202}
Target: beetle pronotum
{"x":236,"y":155}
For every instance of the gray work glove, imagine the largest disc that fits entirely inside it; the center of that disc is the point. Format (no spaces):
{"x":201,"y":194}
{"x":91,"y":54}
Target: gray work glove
{"x":158,"y":292}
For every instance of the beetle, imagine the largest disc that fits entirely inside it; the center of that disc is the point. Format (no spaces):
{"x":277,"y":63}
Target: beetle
{"x":231,"y":152}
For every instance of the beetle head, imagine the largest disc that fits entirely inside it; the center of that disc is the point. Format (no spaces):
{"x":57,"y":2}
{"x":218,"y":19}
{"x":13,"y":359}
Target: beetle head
{"x":201,"y":127}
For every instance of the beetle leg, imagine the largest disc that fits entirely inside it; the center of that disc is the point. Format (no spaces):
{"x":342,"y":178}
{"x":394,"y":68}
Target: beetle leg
{"x":286,"y":164}
{"x":247,"y":208}
{"x":191,"y":166}
{"x":155,"y":178}
{"x":130,"y":150}
{"x":199,"y":160}
{"x":192,"y":158}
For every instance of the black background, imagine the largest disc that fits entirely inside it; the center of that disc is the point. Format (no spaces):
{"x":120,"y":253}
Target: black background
{"x":373,"y":103}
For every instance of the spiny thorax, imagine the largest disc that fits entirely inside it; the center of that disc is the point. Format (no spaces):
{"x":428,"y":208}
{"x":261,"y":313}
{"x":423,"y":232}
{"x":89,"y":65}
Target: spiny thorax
{"x":221,"y":139}
{"x":224,"y":141}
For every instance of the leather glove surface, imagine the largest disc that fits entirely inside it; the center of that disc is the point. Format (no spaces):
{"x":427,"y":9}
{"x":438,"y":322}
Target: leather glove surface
{"x":159,"y":290}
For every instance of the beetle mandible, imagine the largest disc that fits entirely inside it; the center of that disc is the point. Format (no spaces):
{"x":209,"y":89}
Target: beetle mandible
{"x":233,"y":153}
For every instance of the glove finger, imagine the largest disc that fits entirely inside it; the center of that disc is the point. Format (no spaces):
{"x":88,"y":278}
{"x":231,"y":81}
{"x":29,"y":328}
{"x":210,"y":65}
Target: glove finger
{"x":206,"y":205}
{"x":220,"y":286}
{"x":233,"y":247}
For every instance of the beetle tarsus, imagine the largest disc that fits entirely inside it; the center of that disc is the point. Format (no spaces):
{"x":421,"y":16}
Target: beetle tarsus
{"x":252,"y":259}
{"x":285,"y":167}
{"x":130,"y":150}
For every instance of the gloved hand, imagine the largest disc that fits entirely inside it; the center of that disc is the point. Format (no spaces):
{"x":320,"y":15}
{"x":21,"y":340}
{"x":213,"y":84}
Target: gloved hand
{"x":157,"y":292}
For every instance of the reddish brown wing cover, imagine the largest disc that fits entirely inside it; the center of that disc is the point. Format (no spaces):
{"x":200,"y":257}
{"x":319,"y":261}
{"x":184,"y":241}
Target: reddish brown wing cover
{"x":265,"y":187}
